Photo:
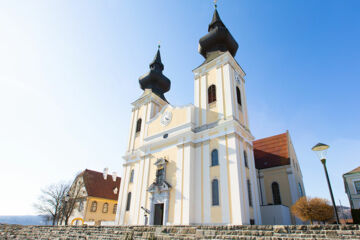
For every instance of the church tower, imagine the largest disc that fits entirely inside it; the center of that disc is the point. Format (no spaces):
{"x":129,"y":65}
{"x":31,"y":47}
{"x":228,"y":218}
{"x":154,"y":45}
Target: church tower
{"x":221,"y":118}
{"x":219,"y":81}
{"x":192,"y":164}
{"x":154,"y":84}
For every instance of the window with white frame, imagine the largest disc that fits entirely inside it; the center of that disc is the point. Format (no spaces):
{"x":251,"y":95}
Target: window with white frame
{"x":215,"y":192}
{"x":357,"y":187}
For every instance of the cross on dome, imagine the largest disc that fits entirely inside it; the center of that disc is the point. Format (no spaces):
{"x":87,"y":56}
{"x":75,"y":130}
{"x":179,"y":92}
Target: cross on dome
{"x":215,"y":3}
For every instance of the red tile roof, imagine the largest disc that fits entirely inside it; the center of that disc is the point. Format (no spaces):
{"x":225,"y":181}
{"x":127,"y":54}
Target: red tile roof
{"x":272,"y":151}
{"x":356,"y":170}
{"x":97,"y":186}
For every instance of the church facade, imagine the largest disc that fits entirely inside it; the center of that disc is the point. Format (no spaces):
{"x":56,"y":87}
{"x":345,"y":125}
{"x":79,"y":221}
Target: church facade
{"x":192,"y":164}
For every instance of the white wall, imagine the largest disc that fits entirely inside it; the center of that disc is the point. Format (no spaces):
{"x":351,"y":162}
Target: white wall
{"x":275,"y":215}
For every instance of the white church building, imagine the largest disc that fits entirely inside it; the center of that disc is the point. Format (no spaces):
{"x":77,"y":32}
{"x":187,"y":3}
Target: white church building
{"x":193,"y":164}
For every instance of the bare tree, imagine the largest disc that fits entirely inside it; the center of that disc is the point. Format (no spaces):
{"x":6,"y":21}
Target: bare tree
{"x":50,"y":201}
{"x":73,"y":198}
{"x":312,"y":209}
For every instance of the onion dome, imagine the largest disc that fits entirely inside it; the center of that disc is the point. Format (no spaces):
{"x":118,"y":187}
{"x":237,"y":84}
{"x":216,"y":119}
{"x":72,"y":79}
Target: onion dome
{"x":155,"y":80}
{"x":218,"y":40}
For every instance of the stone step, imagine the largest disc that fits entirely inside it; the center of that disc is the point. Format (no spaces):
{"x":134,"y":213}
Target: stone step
{"x":180,"y":232}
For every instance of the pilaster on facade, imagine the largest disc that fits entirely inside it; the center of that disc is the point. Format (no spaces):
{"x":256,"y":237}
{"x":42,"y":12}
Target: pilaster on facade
{"x":262,"y":187}
{"x":179,"y":185}
{"x":255,"y":187}
{"x":122,"y":197}
{"x":244,"y":192}
{"x":187,"y":184}
{"x":225,"y":198}
{"x":235,"y":180}
{"x":206,"y":191}
{"x":203,"y":100}
{"x":292,"y":185}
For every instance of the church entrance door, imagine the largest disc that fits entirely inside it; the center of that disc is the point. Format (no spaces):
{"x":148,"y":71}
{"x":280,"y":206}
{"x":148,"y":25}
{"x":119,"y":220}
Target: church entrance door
{"x":159,"y":214}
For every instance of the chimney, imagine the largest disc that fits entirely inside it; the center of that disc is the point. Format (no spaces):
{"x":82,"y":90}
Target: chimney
{"x":114,"y":175}
{"x":105,"y":173}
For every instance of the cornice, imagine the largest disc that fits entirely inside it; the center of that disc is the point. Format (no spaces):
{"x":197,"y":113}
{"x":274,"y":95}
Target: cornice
{"x":220,"y":60}
{"x":148,"y":96}
{"x":185,"y":134}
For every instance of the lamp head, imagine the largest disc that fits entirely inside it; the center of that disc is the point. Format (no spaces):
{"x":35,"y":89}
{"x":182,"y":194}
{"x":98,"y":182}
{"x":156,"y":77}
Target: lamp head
{"x":67,"y":197}
{"x":321,"y":150}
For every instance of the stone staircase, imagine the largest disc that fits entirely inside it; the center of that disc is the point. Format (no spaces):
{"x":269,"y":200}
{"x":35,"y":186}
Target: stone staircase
{"x":246,"y":232}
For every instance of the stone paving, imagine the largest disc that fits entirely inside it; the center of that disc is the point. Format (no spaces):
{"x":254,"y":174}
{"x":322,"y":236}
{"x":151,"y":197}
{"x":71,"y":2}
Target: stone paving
{"x":247,"y":232}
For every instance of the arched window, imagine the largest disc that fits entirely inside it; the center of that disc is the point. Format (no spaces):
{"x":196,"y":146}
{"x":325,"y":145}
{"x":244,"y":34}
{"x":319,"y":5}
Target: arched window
{"x":93,"y":206}
{"x":138,"y":125}
{"x":114,"y":208}
{"x":132,"y":176}
{"x":249,"y":192}
{"x":276,"y":193}
{"x":238,"y":95}
{"x":215,"y":192}
{"x":128,"y":201}
{"x":246,"y":159}
{"x":105,"y":208}
{"x":214,"y":157}
{"x":211,"y":94}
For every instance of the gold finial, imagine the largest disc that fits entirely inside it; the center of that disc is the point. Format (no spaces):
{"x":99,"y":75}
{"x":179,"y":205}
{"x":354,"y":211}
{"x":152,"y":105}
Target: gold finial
{"x":215,"y":3}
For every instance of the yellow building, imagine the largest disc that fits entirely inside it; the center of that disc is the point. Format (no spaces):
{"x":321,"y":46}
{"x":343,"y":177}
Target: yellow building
{"x":192,"y":164}
{"x":96,"y":195}
{"x":280,"y":178}
{"x":352,"y":187}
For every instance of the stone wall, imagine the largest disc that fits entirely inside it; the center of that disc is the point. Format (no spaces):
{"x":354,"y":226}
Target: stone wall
{"x":263,"y":232}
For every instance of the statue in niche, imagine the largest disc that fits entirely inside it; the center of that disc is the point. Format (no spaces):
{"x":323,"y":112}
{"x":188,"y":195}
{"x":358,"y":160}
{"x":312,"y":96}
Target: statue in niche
{"x":160,"y":184}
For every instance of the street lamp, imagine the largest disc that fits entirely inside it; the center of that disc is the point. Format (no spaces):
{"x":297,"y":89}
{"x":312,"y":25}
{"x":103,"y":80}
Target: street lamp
{"x":66,"y":199}
{"x":321,"y":150}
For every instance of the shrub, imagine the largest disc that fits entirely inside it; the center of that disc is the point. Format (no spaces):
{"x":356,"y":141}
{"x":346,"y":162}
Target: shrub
{"x":312,"y":209}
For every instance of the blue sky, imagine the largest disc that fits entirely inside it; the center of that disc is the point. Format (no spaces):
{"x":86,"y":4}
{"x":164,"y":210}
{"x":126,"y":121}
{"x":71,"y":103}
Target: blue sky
{"x":69,"y":71}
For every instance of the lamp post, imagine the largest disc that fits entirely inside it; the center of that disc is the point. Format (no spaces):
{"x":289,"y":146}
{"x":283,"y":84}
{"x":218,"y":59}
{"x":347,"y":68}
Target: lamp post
{"x":321,"y":149}
{"x":66,"y":198}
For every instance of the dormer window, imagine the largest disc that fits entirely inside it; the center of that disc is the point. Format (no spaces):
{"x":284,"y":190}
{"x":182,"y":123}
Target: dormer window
{"x":115,"y":190}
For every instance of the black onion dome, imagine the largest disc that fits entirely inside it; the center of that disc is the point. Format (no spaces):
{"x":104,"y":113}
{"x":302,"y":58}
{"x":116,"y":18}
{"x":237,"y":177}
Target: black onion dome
{"x":218,"y":39}
{"x":155,"y":80}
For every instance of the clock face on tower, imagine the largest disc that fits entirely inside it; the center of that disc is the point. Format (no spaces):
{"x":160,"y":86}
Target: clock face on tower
{"x":166,"y":118}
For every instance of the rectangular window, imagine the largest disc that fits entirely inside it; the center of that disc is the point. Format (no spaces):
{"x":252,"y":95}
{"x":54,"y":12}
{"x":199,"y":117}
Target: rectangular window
{"x":357,"y":187}
{"x":246,"y":160}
